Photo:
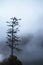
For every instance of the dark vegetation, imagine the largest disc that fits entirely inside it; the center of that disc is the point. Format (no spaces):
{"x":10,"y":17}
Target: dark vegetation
{"x":13,"y":39}
{"x":12,"y":43}
{"x":12,"y":60}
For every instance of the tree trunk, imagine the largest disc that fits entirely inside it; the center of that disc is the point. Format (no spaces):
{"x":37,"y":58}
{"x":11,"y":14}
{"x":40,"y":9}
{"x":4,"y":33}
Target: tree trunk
{"x":12,"y":41}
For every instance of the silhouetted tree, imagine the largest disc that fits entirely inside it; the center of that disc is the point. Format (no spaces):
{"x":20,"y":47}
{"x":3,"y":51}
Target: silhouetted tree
{"x":12,"y":34}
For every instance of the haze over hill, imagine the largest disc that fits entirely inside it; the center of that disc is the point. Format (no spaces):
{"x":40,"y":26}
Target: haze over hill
{"x":32,"y":50}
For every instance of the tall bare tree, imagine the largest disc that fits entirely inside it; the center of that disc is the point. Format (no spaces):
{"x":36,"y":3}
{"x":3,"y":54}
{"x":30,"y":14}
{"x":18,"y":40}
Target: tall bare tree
{"x":12,"y":41}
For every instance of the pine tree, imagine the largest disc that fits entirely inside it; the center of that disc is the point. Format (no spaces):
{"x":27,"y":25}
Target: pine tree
{"x":13,"y":40}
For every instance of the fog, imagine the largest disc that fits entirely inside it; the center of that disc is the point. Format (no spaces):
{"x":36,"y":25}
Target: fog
{"x":31,"y":51}
{"x":31,"y":14}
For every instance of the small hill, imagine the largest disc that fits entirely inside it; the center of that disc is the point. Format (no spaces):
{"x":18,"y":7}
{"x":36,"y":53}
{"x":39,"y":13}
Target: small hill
{"x":12,"y":60}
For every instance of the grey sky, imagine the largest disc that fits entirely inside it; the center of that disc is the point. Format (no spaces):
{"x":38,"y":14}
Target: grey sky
{"x":30,"y":11}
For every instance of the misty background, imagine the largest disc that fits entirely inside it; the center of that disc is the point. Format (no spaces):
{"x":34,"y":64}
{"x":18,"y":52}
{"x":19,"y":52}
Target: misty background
{"x":31,"y":27}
